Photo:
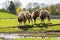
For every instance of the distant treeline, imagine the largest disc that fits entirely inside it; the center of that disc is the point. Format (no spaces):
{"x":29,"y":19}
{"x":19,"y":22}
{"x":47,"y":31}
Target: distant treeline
{"x":13,"y":6}
{"x":53,"y":9}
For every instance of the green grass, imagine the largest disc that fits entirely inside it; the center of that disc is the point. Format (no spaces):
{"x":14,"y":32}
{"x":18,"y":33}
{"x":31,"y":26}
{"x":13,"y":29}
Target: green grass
{"x":6,"y":15}
{"x":1,"y":39}
{"x":51,"y":38}
{"x":12,"y":26}
{"x":8,"y":23}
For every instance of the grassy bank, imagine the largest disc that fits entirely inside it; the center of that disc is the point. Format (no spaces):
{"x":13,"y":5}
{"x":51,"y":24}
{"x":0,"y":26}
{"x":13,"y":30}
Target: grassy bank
{"x":11,"y":25}
{"x":4,"y":15}
{"x":52,"y":38}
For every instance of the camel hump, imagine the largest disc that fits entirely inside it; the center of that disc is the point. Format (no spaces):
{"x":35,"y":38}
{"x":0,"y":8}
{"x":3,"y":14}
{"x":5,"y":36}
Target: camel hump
{"x":44,"y":12}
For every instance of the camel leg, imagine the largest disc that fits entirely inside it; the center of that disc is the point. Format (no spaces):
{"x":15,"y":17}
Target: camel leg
{"x":49,"y":19}
{"x":42,"y":21}
{"x":29,"y":21}
{"x":34,"y":21}
{"x":25,"y":23}
{"x":19,"y":23}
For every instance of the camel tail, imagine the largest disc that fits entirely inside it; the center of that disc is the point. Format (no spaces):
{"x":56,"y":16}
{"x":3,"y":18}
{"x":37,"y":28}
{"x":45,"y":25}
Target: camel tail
{"x":49,"y":18}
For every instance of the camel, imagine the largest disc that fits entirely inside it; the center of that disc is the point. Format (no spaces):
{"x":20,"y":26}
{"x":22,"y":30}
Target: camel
{"x":44,"y":14}
{"x":35,"y":14}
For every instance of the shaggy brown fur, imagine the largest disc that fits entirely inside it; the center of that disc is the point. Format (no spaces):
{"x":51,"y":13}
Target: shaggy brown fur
{"x":35,"y":14}
{"x":28,"y":16}
{"x":44,"y":14}
{"x":24,"y":16}
{"x":21,"y":17}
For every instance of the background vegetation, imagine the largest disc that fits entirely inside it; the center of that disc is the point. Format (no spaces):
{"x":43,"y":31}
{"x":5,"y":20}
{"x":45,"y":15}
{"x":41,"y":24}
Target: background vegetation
{"x":16,"y":5}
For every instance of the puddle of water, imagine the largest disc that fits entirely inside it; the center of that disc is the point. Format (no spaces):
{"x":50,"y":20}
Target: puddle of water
{"x":11,"y":36}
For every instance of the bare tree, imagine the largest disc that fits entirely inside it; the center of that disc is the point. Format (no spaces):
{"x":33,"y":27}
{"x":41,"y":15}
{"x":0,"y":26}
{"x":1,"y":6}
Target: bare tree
{"x":36,"y":5}
{"x":17,"y":3}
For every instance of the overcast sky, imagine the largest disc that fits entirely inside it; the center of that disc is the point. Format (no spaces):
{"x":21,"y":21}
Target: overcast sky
{"x":25,"y":2}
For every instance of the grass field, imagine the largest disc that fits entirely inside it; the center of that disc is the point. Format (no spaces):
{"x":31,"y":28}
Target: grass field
{"x":6,"y":15}
{"x":11,"y":25}
{"x":1,"y":39}
{"x":52,"y":38}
